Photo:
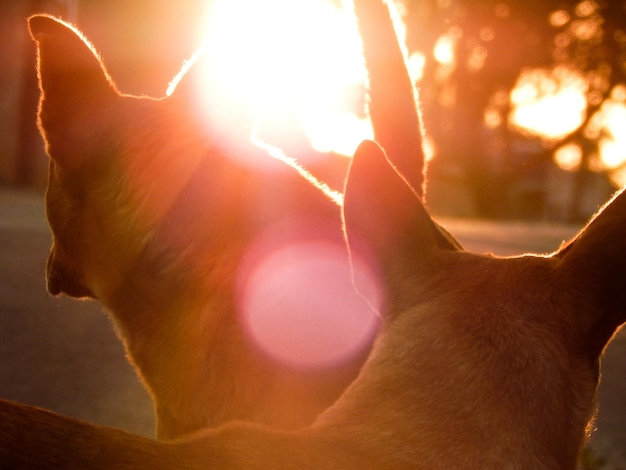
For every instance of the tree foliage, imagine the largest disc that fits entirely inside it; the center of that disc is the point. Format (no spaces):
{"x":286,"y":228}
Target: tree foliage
{"x":469,"y":98}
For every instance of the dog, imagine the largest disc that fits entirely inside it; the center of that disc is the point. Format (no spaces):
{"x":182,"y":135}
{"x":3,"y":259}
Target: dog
{"x":153,"y":213}
{"x":481,"y":362}
{"x":431,"y":421}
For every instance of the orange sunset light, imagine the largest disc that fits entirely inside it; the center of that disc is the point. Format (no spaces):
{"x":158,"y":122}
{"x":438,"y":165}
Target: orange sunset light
{"x":304,"y":57}
{"x":298,"y":67}
{"x":549,"y":103}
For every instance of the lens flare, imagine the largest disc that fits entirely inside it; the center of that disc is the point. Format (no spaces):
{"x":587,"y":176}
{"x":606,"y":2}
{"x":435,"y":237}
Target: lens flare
{"x":297,"y":300}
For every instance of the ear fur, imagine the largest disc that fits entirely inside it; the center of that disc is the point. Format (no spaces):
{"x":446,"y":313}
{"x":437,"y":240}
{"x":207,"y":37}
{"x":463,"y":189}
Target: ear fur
{"x":382,"y":210}
{"x":75,"y":87}
{"x":594,"y":263}
{"x":392,"y":103}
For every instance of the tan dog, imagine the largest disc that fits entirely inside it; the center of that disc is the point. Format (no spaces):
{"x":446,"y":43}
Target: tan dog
{"x":481,"y":363}
{"x":152,"y":216}
{"x":421,"y":409}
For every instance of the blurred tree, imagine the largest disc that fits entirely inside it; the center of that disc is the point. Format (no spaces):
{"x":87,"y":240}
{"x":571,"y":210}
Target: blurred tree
{"x":510,"y":88}
{"x":487,"y":59}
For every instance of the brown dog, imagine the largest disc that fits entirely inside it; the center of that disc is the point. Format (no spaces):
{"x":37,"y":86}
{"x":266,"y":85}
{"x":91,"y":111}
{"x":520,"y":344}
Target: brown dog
{"x":152,"y":215}
{"x":482,"y":362}
{"x":340,"y":435}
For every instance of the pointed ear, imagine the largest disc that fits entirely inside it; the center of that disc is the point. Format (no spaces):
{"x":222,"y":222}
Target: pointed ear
{"x":594,"y":263}
{"x":393,"y":109}
{"x":75,"y":87}
{"x":383,"y":212}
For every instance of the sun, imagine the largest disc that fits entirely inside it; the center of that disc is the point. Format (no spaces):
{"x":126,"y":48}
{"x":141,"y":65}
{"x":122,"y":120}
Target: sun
{"x":300,"y":61}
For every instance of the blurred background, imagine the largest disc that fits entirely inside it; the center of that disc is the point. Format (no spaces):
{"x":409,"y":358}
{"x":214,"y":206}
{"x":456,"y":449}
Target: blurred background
{"x":524,"y":101}
{"x":524,"y":105}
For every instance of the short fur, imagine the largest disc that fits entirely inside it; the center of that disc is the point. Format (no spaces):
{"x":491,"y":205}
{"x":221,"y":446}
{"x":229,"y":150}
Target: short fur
{"x":482,"y":362}
{"x":151,"y":216}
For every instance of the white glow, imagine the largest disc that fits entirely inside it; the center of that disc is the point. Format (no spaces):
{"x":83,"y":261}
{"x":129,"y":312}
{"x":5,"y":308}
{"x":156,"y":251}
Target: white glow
{"x":608,"y":126}
{"x":549,"y":103}
{"x":444,"y":50}
{"x":298,"y":56}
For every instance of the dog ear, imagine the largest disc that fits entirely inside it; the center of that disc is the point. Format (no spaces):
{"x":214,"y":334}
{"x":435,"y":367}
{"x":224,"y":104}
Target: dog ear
{"x":392,"y":104}
{"x":593,"y":265}
{"x":75,"y":87}
{"x":382,"y":211}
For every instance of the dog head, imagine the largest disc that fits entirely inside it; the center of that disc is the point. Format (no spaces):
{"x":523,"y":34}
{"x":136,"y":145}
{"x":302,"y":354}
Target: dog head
{"x":200,"y":244}
{"x":493,"y":360}
{"x":135,"y":181}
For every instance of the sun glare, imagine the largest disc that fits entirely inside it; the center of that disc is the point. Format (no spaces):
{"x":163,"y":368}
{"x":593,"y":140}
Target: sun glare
{"x":303,"y":57}
{"x":608,"y":127}
{"x":549,"y":103}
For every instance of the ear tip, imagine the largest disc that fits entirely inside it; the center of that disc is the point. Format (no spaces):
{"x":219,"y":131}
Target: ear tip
{"x":39,"y":24}
{"x":370,"y":158}
{"x":42,"y":24}
{"x":368,"y":147}
{"x":368,"y":154}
